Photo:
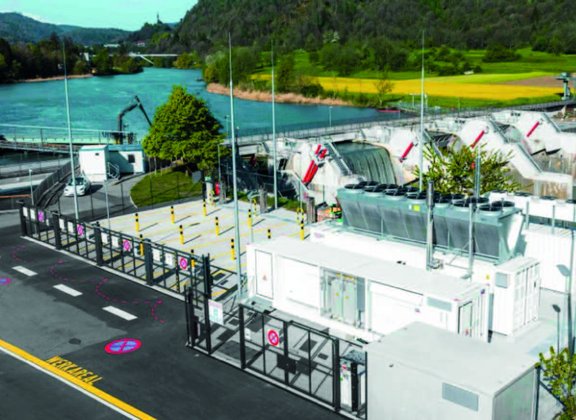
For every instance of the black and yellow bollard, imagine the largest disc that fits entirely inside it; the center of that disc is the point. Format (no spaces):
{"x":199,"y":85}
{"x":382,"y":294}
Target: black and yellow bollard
{"x":172,"y":216}
{"x":216,"y":226}
{"x":141,"y":245}
{"x":192,"y":260}
{"x":181,"y":228}
{"x":204,"y":210}
{"x":302,"y":229}
{"x":232,"y":249}
{"x":297,"y":214}
{"x":249,"y":218}
{"x":136,"y":222}
{"x":269,"y":233}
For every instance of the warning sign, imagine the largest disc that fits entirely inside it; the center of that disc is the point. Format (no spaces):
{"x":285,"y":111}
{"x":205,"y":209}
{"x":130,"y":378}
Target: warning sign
{"x":216,"y":312}
{"x":273,"y":337}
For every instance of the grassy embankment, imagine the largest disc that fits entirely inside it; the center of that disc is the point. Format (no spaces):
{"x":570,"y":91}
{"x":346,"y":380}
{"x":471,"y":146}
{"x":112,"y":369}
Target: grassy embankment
{"x":492,"y":87}
{"x":165,"y":186}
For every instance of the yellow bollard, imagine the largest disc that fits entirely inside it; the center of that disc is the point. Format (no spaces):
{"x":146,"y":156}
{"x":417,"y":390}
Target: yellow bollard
{"x":232,"y":250}
{"x":136,"y":223}
{"x":217,"y":226}
{"x":181,"y":235}
{"x":249,"y":218}
{"x":172,"y":217}
{"x":302,"y":229}
{"x":269,"y":233}
{"x":297,"y":214}
{"x":192,"y":260}
{"x":141,"y":245}
{"x":204,"y":211}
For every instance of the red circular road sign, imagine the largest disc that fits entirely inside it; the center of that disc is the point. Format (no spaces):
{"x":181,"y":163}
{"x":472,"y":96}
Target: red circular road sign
{"x":80,"y":230}
{"x":126,"y":245}
{"x":5,"y":281}
{"x":183,"y":263}
{"x":273,"y":337}
{"x":122,"y":346}
{"x":41,"y":217}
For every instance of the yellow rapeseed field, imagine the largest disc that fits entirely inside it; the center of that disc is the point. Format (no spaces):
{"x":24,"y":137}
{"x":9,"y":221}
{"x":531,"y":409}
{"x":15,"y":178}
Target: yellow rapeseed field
{"x":446,"y":88}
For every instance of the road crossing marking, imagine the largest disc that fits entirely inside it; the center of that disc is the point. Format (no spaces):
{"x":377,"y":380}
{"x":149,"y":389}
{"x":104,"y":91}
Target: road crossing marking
{"x":24,"y":270}
{"x":68,"y":290}
{"x":119,"y":312}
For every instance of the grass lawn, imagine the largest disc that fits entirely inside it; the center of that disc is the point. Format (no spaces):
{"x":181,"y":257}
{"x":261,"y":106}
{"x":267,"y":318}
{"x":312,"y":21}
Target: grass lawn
{"x":164,"y":187}
{"x":483,"y":89}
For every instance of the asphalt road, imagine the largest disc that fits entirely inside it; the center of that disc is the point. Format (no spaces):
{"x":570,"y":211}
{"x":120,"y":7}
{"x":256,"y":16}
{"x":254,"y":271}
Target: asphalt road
{"x":163,"y":378}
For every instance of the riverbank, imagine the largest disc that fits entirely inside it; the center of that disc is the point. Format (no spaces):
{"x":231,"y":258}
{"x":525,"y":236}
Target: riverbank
{"x":50,"y":79}
{"x":287,"y":98}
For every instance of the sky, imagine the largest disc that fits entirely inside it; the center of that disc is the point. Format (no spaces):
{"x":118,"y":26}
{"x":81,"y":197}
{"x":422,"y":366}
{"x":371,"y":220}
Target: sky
{"x":121,"y":14}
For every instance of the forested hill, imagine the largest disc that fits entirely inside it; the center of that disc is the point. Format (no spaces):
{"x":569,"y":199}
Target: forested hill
{"x":543,"y":24}
{"x":15,"y":27}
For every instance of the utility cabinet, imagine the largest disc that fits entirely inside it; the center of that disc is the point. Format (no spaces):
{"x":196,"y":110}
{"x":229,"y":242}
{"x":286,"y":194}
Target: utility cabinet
{"x":422,"y":372}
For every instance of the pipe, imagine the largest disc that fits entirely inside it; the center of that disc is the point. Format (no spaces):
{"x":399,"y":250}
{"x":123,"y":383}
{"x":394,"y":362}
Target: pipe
{"x":430,"y":227}
{"x":478,"y":138}
{"x":407,"y":151}
{"x":534,"y":127}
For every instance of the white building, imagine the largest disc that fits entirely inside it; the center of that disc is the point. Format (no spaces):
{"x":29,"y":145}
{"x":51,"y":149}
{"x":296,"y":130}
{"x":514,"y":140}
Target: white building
{"x":101,"y":162}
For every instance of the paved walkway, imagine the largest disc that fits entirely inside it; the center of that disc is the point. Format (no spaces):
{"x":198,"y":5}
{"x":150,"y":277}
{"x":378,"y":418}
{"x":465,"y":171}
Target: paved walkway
{"x":199,"y":230}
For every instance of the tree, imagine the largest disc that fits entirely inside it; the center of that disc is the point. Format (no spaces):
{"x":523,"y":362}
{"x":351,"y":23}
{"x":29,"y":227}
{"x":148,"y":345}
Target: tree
{"x":184,"y":128}
{"x":285,"y":73}
{"x":559,"y":372}
{"x":383,"y":86}
{"x":453,"y":170}
{"x":103,"y":62}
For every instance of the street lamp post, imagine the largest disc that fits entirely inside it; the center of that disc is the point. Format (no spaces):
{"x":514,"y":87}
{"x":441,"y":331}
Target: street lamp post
{"x":330,"y":115}
{"x":234,"y":181}
{"x":107,"y":206}
{"x":72,"y":166}
{"x":567,"y":273}
{"x":31,"y":189}
{"x":557,"y":310}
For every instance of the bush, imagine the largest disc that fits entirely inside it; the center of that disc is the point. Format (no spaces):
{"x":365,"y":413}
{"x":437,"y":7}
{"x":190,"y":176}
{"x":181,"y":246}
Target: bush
{"x":499,"y":54}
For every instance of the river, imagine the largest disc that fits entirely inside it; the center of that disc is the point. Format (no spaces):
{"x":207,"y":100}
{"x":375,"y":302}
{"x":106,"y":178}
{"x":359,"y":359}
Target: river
{"x":96,"y":102}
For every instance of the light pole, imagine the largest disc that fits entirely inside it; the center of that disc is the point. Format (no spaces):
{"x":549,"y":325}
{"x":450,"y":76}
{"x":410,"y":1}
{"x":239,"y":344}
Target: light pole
{"x":107,"y":206}
{"x":274,"y":152}
{"x":72,"y":166}
{"x":557,"y":310}
{"x":330,"y":115}
{"x":31,"y":189}
{"x":234,"y":182}
{"x":567,"y":273}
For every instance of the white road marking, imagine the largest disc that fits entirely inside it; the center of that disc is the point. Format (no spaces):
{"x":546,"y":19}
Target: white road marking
{"x":68,"y":290}
{"x":24,"y":270}
{"x":119,"y":312}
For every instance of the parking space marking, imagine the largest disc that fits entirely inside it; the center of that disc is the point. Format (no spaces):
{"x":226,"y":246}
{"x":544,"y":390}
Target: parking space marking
{"x":68,"y":290}
{"x":119,"y":312}
{"x":24,"y":270}
{"x":89,"y":390}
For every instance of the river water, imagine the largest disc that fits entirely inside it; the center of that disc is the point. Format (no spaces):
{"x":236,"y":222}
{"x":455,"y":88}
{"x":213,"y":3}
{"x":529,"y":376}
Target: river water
{"x":96,"y":102}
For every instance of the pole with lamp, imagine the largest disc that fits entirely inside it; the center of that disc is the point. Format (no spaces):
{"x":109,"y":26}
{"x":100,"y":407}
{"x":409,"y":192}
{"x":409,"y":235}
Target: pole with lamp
{"x":274,"y":150}
{"x":330,"y":115}
{"x":234,"y":181}
{"x":31,"y":188}
{"x":72,"y":166}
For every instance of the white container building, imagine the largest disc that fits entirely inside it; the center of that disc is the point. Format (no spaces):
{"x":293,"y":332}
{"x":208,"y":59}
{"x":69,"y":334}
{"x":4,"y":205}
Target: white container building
{"x":359,"y":295}
{"x":514,"y":285}
{"x":422,"y":372}
{"x":101,"y":162}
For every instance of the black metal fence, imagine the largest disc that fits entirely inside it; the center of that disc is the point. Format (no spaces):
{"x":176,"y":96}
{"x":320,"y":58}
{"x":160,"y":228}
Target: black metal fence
{"x":324,"y":368}
{"x":152,"y":263}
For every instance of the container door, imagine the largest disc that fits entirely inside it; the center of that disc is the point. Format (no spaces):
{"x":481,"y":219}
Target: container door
{"x":465,"y":327}
{"x":264,"y":286}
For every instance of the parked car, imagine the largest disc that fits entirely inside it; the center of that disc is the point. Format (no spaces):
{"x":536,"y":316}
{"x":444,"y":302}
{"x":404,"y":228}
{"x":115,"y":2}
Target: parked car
{"x":82,"y":187}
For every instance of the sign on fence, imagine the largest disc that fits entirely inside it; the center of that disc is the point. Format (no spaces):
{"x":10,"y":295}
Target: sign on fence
{"x":216,"y":312}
